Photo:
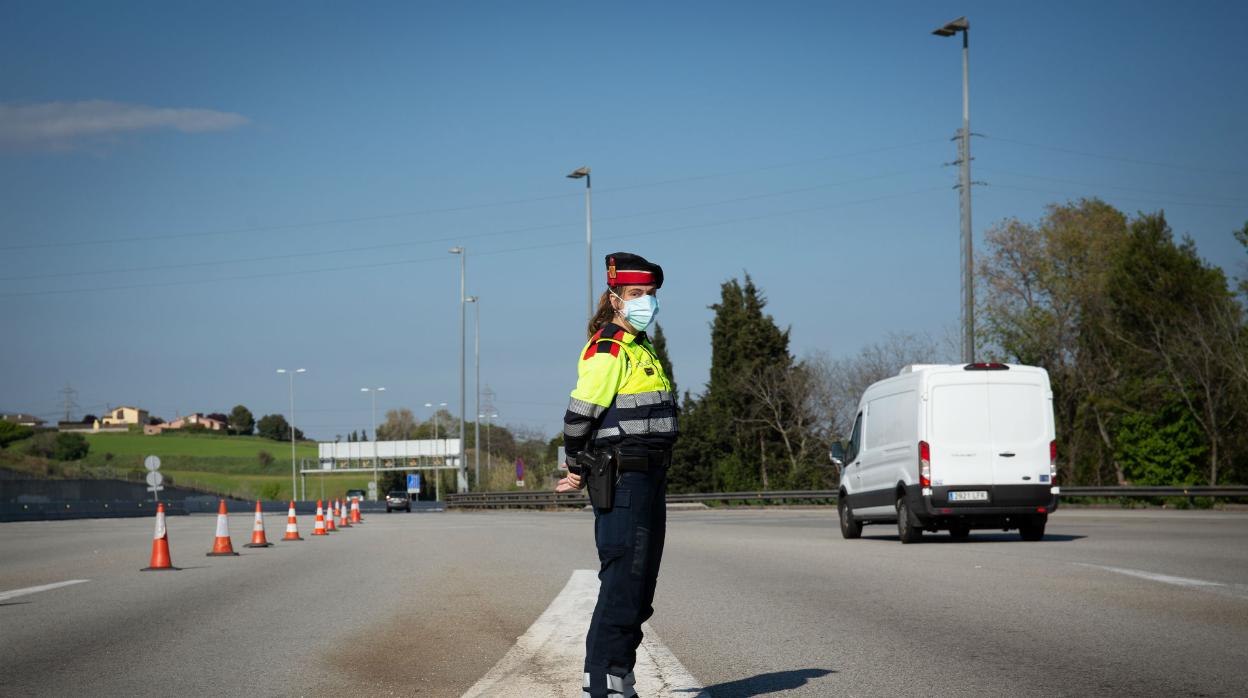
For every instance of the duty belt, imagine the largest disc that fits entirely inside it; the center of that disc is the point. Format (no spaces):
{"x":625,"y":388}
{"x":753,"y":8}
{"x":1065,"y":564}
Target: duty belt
{"x":638,"y":461}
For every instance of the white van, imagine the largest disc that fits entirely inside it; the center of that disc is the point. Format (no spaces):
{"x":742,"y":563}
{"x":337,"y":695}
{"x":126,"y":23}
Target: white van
{"x":951,"y":447}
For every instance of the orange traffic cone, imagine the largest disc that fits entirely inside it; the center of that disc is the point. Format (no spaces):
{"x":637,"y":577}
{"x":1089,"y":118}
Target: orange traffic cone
{"x":221,"y":545}
{"x":355,"y":511}
{"x":160,"y":544}
{"x":292,"y":524}
{"x":344,"y":520}
{"x":257,"y":532}
{"x":330,"y":526}
{"x":319,"y":528}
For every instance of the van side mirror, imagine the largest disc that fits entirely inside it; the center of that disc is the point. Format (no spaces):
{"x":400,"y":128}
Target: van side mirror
{"x":837,"y":454}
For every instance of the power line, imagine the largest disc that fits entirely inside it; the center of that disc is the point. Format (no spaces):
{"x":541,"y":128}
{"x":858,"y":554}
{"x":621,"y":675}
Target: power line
{"x":1117,"y":158}
{"x":456,"y":238}
{"x":1154,"y":202}
{"x":1227,"y":200}
{"x":391,"y":263}
{"x":453,"y":209}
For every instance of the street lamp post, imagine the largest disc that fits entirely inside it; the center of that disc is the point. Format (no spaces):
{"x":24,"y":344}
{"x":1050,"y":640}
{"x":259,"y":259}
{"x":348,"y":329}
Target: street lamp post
{"x":294,"y":480}
{"x":962,"y":25}
{"x":589,"y":231}
{"x":435,"y":418}
{"x":476,"y":425}
{"x":487,"y":418}
{"x":373,"y":392}
{"x":462,"y":470}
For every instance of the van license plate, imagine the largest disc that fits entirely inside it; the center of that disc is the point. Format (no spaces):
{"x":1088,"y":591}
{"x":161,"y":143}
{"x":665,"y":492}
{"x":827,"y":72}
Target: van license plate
{"x":970,"y":496}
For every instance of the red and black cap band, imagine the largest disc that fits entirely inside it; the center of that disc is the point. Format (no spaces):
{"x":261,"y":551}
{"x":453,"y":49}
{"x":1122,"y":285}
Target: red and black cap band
{"x":625,"y":269}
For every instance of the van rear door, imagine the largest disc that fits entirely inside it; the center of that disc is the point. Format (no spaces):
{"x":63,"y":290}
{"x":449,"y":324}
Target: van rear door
{"x":1019,"y":417}
{"x":959,"y":429}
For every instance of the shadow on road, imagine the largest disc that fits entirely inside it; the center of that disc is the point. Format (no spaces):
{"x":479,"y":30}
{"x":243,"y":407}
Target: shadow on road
{"x":1010,"y":537}
{"x":762,"y":684}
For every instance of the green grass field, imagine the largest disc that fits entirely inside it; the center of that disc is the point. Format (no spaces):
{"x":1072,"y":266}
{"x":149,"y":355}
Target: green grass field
{"x":243,"y":448}
{"x":229,"y":465}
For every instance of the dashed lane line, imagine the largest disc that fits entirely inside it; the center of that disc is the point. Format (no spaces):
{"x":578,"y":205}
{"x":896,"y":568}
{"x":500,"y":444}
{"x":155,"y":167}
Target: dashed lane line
{"x":547,"y":660}
{"x":6,"y":595}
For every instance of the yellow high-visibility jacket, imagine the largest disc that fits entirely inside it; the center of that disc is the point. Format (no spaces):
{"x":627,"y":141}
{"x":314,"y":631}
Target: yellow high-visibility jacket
{"x":622,"y":396}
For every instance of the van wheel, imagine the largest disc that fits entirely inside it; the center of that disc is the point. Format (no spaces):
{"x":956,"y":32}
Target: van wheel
{"x":960,"y":531}
{"x":906,"y":532}
{"x":850,"y":528}
{"x":1032,"y":528}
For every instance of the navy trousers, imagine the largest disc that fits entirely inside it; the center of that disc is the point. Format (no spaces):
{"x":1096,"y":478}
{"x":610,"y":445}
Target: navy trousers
{"x":630,"y":546}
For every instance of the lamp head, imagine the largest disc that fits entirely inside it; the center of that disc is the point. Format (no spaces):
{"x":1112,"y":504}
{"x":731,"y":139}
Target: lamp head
{"x":579,"y":172}
{"x":960,"y":24}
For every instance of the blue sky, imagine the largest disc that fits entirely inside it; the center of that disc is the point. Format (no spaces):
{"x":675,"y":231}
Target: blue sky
{"x":196,"y":195}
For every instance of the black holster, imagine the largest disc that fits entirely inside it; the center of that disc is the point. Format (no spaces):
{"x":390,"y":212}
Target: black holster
{"x":601,"y":469}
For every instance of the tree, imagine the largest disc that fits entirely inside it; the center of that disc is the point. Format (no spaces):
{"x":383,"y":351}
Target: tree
{"x":10,"y":432}
{"x":241,"y":421}
{"x":1242,"y":236}
{"x":723,"y":446}
{"x":1043,"y":297}
{"x":836,"y":384}
{"x":1166,"y":305}
{"x":89,"y":418}
{"x":400,"y":425}
{"x":660,"y":350}
{"x":363,"y":435}
{"x":275,"y":426}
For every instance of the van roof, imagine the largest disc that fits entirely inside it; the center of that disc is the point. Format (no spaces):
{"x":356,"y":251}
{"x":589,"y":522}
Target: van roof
{"x":934,"y":368}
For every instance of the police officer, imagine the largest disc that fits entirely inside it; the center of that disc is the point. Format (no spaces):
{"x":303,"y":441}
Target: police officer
{"x":623,"y":406}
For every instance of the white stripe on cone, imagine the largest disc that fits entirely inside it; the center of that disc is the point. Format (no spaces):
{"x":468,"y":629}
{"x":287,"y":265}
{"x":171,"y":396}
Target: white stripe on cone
{"x":223,"y":526}
{"x":160,"y":525}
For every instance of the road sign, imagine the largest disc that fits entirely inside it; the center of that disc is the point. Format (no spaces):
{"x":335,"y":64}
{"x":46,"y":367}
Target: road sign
{"x":372,"y":491}
{"x":519,"y":472}
{"x":413,"y":483}
{"x":152,"y":463}
{"x":154,"y":478}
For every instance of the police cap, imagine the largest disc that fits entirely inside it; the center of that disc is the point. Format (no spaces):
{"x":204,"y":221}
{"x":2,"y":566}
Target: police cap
{"x":626,"y":269}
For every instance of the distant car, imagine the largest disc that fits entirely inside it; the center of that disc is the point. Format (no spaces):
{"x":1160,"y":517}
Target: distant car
{"x":398,"y":499}
{"x":355,"y":493}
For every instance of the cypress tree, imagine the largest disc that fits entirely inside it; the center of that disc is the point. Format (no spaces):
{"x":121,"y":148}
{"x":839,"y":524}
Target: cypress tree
{"x":719,"y":449}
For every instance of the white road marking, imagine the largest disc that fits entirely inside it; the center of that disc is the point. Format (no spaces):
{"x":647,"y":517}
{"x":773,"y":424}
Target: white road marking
{"x":548,"y":659}
{"x":1164,"y":578}
{"x":6,"y":595}
{"x":1170,"y":579}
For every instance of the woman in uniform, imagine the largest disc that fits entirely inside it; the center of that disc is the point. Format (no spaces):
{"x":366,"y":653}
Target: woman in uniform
{"x":623,"y":406}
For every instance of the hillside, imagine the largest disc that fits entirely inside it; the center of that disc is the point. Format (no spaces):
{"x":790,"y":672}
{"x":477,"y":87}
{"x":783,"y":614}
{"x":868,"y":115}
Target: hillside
{"x":230,"y":465}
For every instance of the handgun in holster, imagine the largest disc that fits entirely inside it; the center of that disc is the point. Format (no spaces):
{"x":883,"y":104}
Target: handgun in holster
{"x":600,"y":469}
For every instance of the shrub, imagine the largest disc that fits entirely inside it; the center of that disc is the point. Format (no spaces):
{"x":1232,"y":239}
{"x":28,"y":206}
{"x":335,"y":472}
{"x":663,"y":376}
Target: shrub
{"x":266,"y":458}
{"x":42,"y":444}
{"x":10,"y":432}
{"x":70,"y":447}
{"x":269,"y":490}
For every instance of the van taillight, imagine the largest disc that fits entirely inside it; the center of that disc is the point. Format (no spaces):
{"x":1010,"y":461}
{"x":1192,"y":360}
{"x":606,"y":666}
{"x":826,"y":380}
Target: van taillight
{"x":925,"y":464}
{"x":1053,"y":462}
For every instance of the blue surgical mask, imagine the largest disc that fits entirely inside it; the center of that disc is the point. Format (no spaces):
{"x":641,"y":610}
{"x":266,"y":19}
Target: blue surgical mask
{"x":640,"y":311}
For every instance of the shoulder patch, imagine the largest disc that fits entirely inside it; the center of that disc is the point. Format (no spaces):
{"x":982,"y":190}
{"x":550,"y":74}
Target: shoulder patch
{"x":597,"y":345}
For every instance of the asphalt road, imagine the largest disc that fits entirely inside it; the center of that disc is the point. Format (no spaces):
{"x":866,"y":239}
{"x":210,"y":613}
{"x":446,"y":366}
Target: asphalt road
{"x":761,"y":602}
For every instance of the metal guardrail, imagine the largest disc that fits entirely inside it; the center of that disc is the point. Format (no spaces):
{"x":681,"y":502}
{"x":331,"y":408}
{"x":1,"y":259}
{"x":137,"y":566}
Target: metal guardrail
{"x":506,"y":500}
